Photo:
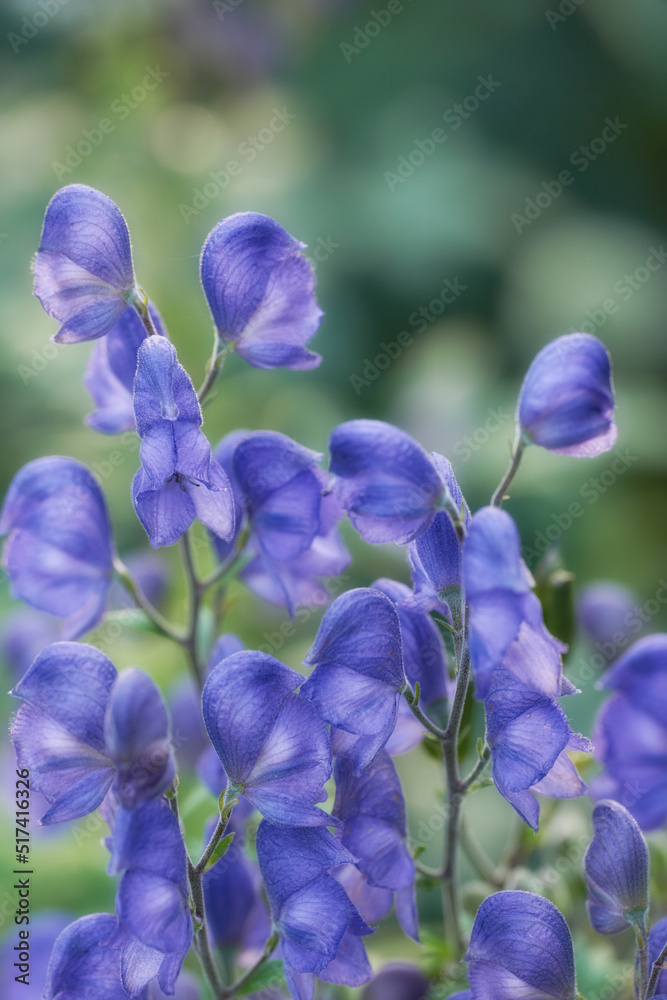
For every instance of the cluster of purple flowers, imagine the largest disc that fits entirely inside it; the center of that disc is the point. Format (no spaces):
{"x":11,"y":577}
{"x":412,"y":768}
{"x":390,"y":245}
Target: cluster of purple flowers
{"x":382,"y":674}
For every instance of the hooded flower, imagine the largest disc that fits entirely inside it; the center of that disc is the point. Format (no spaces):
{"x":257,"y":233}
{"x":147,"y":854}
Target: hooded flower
{"x":358,"y":672}
{"x":81,"y":966}
{"x":529,"y":736}
{"x":616,"y":867}
{"x":259,"y":289}
{"x":111,"y":369}
{"x":84,"y":729}
{"x":385,"y":481}
{"x":566,"y":402}
{"x":83,"y":268}
{"x":271,"y":742}
{"x":178,"y":480}
{"x":372,"y":812}
{"x":59,"y":551}
{"x":520,"y":946}
{"x":318,"y":925}
{"x":154,"y":928}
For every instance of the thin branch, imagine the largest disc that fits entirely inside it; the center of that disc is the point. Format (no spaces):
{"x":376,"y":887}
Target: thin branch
{"x":269,"y":948}
{"x":412,"y":698}
{"x":474,"y":774}
{"x":160,"y":622}
{"x":655,"y":973}
{"x":515,"y":461}
{"x":213,"y":368}
{"x":195,"y":596}
{"x":479,"y":858}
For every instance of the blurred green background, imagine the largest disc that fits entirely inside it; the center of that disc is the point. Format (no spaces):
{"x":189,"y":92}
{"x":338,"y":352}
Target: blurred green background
{"x":351,"y":167}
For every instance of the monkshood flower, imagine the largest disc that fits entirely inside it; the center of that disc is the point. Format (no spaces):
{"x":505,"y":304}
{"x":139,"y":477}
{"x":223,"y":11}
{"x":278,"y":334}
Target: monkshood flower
{"x":607,"y":614}
{"x":520,"y":946}
{"x":84,"y":729}
{"x":566,"y":402}
{"x":272,"y":744}
{"x":293,"y":524}
{"x":20,"y":969}
{"x":505,"y":617}
{"x":529,"y":736}
{"x":372,"y":812}
{"x":83,"y":268}
{"x":82,"y":966}
{"x":656,"y":942}
{"x":316,"y":921}
{"x":436,"y":556}
{"x":111,"y":369}
{"x":359,"y":672}
{"x":154,"y":929}
{"x":59,"y":552}
{"x":399,"y":981}
{"x":259,"y":288}
{"x":178,"y":480}
{"x":631,"y":733}
{"x":385,"y":481}
{"x":616,"y":867}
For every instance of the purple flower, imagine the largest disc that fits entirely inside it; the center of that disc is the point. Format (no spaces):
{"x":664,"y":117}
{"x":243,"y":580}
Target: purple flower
{"x":641,"y":675}
{"x":310,"y":909}
{"x":83,"y":268}
{"x":111,"y":369}
{"x":359,"y":674}
{"x":529,"y":736}
{"x":424,"y":655}
{"x":520,"y":946}
{"x":566,"y":402}
{"x":82,"y":967}
{"x":295,"y":539}
{"x":83,"y":728}
{"x":271,"y":743}
{"x":39,"y":938}
{"x":398,"y":981}
{"x":616,"y":867}
{"x":59,"y":551}
{"x":154,"y":929}
{"x":505,"y":617}
{"x":385,"y":481}
{"x":372,"y":812}
{"x":259,"y":289}
{"x":605,"y":612}
{"x":178,"y":480}
{"x":656,"y":942}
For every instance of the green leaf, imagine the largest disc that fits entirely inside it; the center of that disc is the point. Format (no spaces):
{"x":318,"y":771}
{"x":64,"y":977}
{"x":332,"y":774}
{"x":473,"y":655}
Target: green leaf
{"x":220,"y":850}
{"x":268,"y":974}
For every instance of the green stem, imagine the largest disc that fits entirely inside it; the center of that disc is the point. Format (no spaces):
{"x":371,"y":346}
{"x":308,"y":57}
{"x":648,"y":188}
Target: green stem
{"x":137,"y":298}
{"x":160,"y":622}
{"x":478,"y":856}
{"x":234,"y":987}
{"x":412,"y":698}
{"x":474,"y":774}
{"x":515,"y":461}
{"x":195,"y":599}
{"x":213,"y":368}
{"x":655,"y":973}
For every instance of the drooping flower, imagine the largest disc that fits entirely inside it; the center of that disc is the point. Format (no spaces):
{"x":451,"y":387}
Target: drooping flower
{"x":295,"y":540}
{"x":318,"y":925}
{"x":566,"y":402}
{"x":154,"y":928}
{"x":358,"y":672}
{"x":259,"y":288}
{"x":59,"y":551}
{"x":111,"y":369}
{"x":83,"y":729}
{"x":505,"y":617}
{"x":631,"y":734}
{"x":616,"y":867}
{"x":372,"y":812}
{"x":83,"y":268}
{"x":271,"y":742}
{"x":385,"y":481}
{"x":520,"y":946}
{"x":529,"y":735}
{"x":82,"y":965}
{"x":178,"y":480}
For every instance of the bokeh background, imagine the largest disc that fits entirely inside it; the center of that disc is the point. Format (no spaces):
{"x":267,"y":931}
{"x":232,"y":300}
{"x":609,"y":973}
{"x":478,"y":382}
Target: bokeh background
{"x":391,"y":219}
